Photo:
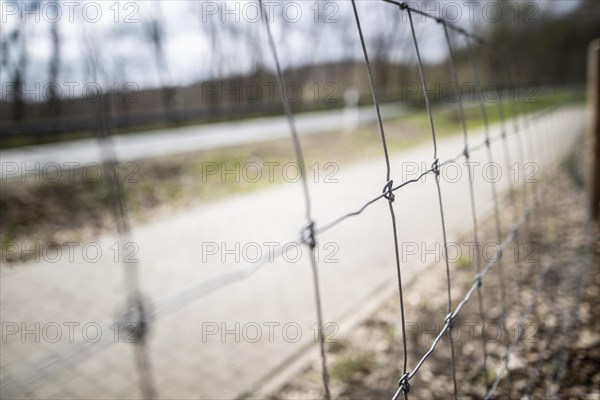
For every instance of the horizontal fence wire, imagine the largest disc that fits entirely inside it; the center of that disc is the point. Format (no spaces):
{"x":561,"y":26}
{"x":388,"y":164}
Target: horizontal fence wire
{"x":140,"y":312}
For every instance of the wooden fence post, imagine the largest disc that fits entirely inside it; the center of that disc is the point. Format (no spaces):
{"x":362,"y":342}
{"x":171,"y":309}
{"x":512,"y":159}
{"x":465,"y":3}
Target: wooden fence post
{"x":594,"y":127}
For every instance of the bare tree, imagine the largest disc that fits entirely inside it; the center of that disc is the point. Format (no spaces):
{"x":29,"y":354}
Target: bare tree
{"x":154,"y":31}
{"x":54,"y":70}
{"x":15,"y":58}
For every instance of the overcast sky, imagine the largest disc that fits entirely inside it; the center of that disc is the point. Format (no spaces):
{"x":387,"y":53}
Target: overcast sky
{"x":207,"y":39}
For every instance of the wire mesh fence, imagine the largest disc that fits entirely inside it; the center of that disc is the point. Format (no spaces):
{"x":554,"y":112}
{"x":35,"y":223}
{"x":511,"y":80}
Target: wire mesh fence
{"x":140,"y":313}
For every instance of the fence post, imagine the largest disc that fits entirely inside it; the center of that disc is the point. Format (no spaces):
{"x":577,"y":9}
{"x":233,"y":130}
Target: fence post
{"x":594,"y":127}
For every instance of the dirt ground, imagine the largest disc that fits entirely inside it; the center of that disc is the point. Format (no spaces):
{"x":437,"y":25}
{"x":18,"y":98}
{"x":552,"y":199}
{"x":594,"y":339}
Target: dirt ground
{"x":557,"y":355}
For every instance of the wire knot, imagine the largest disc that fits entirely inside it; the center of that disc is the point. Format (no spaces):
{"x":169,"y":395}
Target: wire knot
{"x":478,"y":279}
{"x":448,"y":320}
{"x":403,"y":6}
{"x":499,"y":252}
{"x":487,"y":142}
{"x":466,"y":152}
{"x":135,"y":322}
{"x":388,"y":191}
{"x":403,"y":383}
{"x":435,"y":167}
{"x":308,"y":235}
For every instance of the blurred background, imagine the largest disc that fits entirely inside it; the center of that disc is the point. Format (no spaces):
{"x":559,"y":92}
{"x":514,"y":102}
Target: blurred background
{"x":146,"y":156}
{"x":165,"y":65}
{"x":153,"y":66}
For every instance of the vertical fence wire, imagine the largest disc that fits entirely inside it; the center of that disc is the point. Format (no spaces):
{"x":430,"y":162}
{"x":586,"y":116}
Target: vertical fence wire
{"x":466,"y":154}
{"x":541,"y":281}
{"x":136,"y":311}
{"x":517,"y":131}
{"x":404,"y":387}
{"x":548,"y":331}
{"x":308,"y":234}
{"x":511,"y":194}
{"x":572,"y":278}
{"x":559,"y":230}
{"x":525,"y":124}
{"x":490,"y":160}
{"x":436,"y":172}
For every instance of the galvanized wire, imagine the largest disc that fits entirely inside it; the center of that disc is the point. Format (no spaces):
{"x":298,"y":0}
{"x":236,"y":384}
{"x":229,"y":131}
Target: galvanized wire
{"x":440,"y":201}
{"x":66,"y":355}
{"x":511,"y":190}
{"x":508,"y":239}
{"x":472,"y":200}
{"x":571,"y":280}
{"x":389,"y":195}
{"x":502,"y":279}
{"x":308,"y":231}
{"x":142,"y":314}
{"x":137,"y":309}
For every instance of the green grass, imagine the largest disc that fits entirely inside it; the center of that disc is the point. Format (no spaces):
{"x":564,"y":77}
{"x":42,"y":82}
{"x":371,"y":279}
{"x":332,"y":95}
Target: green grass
{"x":462,"y":263}
{"x":350,"y":367}
{"x":336,"y":347}
{"x":447,"y":119}
{"x":245,"y":396}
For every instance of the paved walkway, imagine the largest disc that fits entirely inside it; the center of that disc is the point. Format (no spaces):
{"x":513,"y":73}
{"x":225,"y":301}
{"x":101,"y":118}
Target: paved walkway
{"x":233,"y":340}
{"x":136,"y":146}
